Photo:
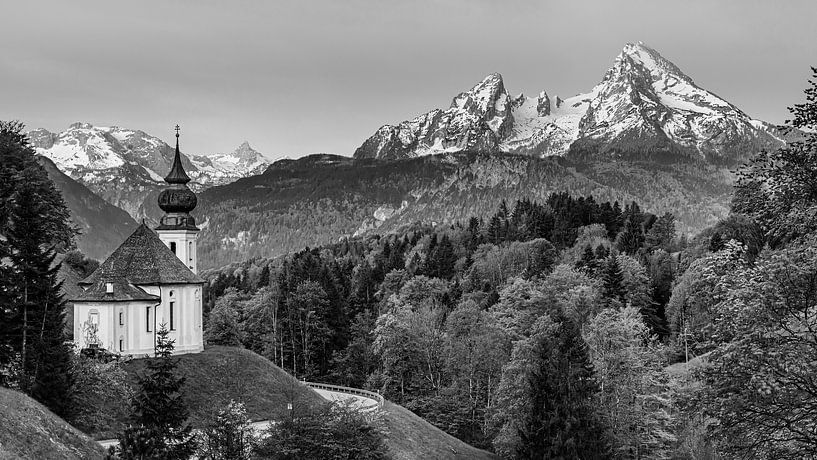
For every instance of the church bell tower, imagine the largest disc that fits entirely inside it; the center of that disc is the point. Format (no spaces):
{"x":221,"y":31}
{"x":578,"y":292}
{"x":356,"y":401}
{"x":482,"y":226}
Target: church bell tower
{"x":177,"y":228}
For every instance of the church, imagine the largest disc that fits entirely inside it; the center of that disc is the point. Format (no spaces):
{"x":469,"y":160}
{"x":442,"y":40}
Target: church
{"x":148,"y":282}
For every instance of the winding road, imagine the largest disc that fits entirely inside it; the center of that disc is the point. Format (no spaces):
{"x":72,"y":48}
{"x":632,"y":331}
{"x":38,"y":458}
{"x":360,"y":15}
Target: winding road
{"x":362,"y":400}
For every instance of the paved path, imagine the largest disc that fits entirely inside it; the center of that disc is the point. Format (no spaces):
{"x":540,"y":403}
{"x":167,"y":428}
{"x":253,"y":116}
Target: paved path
{"x":359,"y":402}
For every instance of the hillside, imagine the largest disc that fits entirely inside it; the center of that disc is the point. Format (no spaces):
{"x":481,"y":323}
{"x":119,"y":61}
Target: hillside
{"x":220,"y":374}
{"x":103,"y":226}
{"x":30,"y":431}
{"x":320,"y":198}
{"x":410,"y":437}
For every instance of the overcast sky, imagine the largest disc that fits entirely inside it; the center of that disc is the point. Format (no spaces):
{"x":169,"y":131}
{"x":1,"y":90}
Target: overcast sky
{"x":301,"y":77}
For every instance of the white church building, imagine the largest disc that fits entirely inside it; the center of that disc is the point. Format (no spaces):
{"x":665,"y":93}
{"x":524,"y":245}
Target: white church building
{"x":149,"y":281}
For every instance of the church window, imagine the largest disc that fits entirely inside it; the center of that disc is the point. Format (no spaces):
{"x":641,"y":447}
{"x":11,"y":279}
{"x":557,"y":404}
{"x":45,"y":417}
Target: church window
{"x":93,"y":317}
{"x":121,"y":344}
{"x":190,"y":250}
{"x":121,"y":318}
{"x":173,"y":246}
{"x":172,"y":325}
{"x":147,"y":319}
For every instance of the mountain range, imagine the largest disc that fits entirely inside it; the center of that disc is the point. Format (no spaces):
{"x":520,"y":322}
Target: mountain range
{"x":126,"y":167}
{"x":646,"y":132}
{"x":102,"y":226}
{"x":644,"y":108}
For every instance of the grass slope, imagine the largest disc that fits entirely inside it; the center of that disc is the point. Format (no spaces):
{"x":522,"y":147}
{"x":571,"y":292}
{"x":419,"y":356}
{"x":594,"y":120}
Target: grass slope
{"x":220,"y":374}
{"x":410,"y":437}
{"x":30,"y":431}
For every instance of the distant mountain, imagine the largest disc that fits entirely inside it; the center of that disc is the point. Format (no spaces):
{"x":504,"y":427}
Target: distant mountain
{"x":317,"y":199}
{"x":103,"y":226}
{"x":645,"y":107}
{"x":222,"y":168}
{"x":126,"y":167}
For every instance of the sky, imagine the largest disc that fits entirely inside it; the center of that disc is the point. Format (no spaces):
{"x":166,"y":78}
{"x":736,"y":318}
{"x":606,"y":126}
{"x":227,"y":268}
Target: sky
{"x":299,"y":77}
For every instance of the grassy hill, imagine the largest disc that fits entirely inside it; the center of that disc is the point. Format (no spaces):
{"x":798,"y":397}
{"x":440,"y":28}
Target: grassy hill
{"x":220,"y":374}
{"x":30,"y":431}
{"x":410,"y":437}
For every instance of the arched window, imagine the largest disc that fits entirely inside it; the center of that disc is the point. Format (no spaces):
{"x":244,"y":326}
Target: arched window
{"x":121,"y":344}
{"x":121,"y":318}
{"x":93,"y":317}
{"x":173,"y":246}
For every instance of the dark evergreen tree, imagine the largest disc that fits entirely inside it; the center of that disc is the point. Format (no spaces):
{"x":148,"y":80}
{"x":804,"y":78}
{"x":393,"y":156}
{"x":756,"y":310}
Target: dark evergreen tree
{"x":494,"y":234}
{"x":34,"y":220}
{"x":562,"y":422}
{"x":264,"y":277}
{"x":613,"y":279}
{"x":631,"y":238}
{"x":159,"y":413}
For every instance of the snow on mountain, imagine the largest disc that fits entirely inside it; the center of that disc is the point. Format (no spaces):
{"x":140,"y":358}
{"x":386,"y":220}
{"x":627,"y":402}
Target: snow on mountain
{"x":644,"y":106}
{"x":221,"y":168}
{"x":125,"y":166}
{"x":87,"y":148}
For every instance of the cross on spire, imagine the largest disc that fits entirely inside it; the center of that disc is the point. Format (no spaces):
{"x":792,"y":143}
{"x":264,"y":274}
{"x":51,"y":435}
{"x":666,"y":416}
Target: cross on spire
{"x":177,"y":131}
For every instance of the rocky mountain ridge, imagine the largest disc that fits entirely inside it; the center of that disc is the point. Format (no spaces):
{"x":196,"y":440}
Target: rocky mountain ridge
{"x":320,"y":198}
{"x":126,"y":167}
{"x":645,"y":107}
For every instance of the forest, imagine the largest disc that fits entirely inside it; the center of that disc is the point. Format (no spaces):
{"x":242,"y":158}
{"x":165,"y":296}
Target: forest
{"x":567,"y":328}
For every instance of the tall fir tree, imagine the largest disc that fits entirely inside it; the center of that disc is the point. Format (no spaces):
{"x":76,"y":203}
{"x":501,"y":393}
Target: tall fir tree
{"x":159,"y":413}
{"x":34,"y":220}
{"x":613,"y":282}
{"x":562,"y":422}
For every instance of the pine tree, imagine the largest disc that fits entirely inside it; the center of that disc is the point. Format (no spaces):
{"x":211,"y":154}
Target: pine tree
{"x":631,"y":238}
{"x":159,"y":413}
{"x":494,"y":234}
{"x":613,"y":287}
{"x":587,"y":261}
{"x":264,"y":277}
{"x":562,"y":422}
{"x":34,"y":220}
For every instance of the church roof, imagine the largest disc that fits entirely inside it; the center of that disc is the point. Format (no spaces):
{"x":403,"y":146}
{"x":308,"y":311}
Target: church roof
{"x":143,"y":259}
{"x":123,"y":291}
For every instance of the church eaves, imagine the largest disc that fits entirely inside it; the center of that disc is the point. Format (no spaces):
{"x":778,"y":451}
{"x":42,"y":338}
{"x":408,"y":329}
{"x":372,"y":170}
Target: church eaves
{"x":143,"y":259}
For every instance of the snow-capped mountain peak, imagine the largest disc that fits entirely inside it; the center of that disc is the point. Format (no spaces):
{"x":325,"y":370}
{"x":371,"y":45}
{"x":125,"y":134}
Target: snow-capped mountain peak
{"x":643,"y":106}
{"x":122,"y":165}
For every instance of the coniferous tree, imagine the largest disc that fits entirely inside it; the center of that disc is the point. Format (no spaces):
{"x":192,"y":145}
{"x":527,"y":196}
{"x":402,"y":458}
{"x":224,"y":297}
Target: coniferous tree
{"x":264,"y":277}
{"x":587,"y":261}
{"x":563,"y":423}
{"x":33,"y":221}
{"x":159,"y":413}
{"x":613,"y":287}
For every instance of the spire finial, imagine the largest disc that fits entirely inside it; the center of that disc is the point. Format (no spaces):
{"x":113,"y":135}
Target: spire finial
{"x":177,"y":174}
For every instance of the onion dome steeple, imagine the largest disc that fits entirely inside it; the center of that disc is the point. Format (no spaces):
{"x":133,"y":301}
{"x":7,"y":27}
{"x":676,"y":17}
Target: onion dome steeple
{"x":177,"y":174}
{"x":177,"y":200}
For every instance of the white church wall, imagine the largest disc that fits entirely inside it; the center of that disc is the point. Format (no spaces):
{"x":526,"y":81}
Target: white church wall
{"x":115,"y":326}
{"x":129,"y":327}
{"x":187,"y":328}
